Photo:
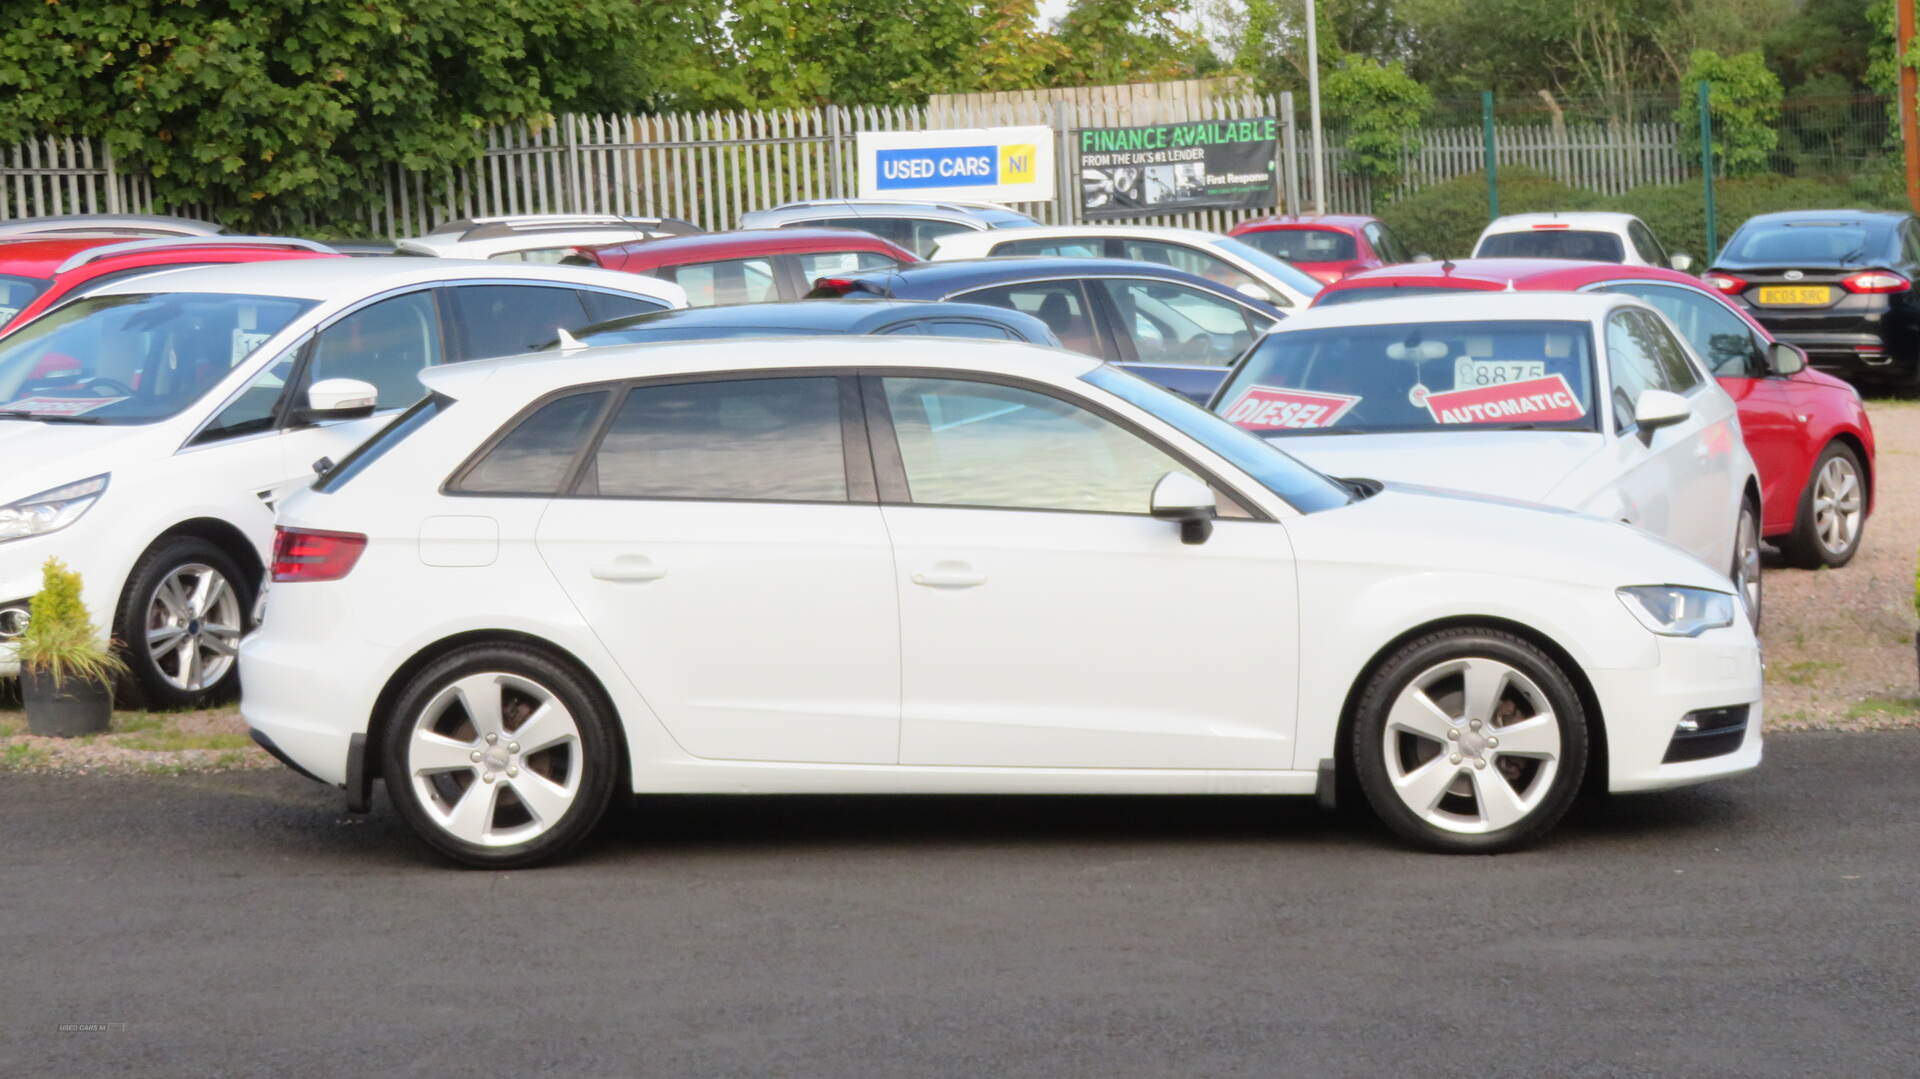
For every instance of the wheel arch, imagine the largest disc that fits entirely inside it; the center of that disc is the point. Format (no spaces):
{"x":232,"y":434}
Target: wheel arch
{"x":396,"y":682}
{"x":1347,"y":781}
{"x":1854,"y":442}
{"x":224,"y":535}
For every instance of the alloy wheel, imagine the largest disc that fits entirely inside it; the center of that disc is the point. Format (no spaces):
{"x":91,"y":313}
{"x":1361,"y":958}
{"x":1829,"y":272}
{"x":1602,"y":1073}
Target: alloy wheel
{"x":193,"y":627}
{"x":1472,"y":745}
{"x":1746,"y":562}
{"x":495,"y":759}
{"x":1837,"y":504}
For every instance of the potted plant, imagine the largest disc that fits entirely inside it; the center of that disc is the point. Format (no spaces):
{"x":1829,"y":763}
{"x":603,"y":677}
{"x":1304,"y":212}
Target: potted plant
{"x":66,"y":670}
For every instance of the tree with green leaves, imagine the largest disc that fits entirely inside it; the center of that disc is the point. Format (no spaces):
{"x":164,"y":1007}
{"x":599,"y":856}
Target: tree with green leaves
{"x":1743,"y":101}
{"x":1380,"y":107}
{"x":289,"y":107}
{"x":1108,"y":42}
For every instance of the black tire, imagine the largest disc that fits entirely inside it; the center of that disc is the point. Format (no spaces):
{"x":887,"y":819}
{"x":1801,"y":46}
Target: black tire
{"x":146,"y":682}
{"x":598,"y":759}
{"x":1420,"y":657}
{"x":1804,"y":547}
{"x":1745,"y":571}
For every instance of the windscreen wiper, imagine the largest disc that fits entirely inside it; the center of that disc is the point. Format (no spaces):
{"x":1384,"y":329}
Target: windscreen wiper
{"x":42,"y":418}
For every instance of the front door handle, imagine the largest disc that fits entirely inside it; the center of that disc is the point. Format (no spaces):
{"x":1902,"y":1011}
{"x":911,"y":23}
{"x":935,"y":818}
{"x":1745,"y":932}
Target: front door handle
{"x":950,"y":575}
{"x":629,"y":567}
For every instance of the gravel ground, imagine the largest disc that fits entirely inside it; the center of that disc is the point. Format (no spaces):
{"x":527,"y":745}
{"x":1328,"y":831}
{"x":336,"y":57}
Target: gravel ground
{"x":1839,"y":648}
{"x":1839,"y":643}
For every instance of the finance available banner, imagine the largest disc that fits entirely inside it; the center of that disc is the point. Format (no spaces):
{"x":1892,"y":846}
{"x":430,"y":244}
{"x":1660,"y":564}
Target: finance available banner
{"x":1177,"y":168}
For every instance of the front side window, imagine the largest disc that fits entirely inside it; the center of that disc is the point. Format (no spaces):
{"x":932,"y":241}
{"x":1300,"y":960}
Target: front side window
{"x":505,"y":320}
{"x":1637,"y":348}
{"x":1181,"y":257}
{"x":533,"y":458}
{"x":386,"y":344}
{"x":1677,"y":370}
{"x":727,"y":281}
{"x":1717,"y":335}
{"x":1174,"y":324}
{"x":134,"y":358}
{"x":253,"y":411}
{"x":1554,"y":243}
{"x":17,"y":292}
{"x":1060,"y":304}
{"x":775,"y":439}
{"x":1438,"y":376}
{"x":966,"y":443}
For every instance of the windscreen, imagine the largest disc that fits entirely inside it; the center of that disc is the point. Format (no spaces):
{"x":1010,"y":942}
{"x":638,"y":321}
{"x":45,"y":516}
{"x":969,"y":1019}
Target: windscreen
{"x":1809,"y":244}
{"x":1553,"y":243}
{"x":134,"y":358}
{"x":1430,"y":376}
{"x":1303,"y":245}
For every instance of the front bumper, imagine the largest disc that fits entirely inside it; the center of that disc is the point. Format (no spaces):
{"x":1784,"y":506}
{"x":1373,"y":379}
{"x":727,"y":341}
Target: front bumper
{"x":1643,"y":709}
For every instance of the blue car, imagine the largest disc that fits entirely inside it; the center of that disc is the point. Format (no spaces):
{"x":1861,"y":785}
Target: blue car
{"x":812,"y":317}
{"x":1175,"y":328}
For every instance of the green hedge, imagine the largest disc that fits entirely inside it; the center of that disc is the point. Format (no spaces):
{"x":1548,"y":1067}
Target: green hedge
{"x":1446,"y":218}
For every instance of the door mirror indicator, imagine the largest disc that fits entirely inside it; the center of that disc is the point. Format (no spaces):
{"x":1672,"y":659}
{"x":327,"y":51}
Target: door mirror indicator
{"x":1786,"y":359}
{"x":338,"y":399}
{"x":1659,"y":408}
{"x":1179,"y":497}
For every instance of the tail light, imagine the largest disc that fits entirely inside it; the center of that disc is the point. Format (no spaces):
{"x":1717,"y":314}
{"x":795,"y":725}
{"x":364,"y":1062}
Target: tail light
{"x":824,"y":287}
{"x":1875,"y":281}
{"x":1726,"y":283}
{"x":310,"y":554}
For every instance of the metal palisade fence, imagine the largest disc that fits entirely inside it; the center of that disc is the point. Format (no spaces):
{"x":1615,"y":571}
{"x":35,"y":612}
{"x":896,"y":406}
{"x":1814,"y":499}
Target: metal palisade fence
{"x":711,"y":167}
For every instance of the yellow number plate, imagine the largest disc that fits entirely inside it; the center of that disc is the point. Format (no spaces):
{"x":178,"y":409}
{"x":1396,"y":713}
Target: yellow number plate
{"x":1796,"y":294}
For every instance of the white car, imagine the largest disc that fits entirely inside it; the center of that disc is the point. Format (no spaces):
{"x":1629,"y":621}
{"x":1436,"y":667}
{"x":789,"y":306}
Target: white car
{"x":1590,"y":402}
{"x":1221,"y":259}
{"x":1583,"y":237}
{"x":150,"y":427}
{"x":545,"y":238}
{"x":964,"y":567}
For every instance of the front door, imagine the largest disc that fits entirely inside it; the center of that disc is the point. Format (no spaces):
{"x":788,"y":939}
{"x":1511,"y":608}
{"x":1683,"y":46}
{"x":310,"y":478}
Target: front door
{"x":1046,"y":620}
{"x":720,"y":549}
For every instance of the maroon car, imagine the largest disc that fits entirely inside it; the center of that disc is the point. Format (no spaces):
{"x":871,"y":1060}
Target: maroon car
{"x":1807,"y":430}
{"x":752,"y":265}
{"x":1328,"y":246}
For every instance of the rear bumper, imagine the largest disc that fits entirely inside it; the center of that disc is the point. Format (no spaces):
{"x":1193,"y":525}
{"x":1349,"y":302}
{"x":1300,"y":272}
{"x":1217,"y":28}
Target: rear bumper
{"x":1863,"y":354}
{"x":282,"y":682}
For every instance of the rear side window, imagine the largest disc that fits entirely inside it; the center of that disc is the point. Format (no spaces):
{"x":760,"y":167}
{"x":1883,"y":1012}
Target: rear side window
{"x":1079,"y":249}
{"x":1581,"y":244}
{"x":947,"y":327}
{"x":815,"y":264}
{"x":727,"y":281}
{"x":503,"y":320}
{"x":533,"y":458}
{"x":1059,"y":304}
{"x":1303,"y":245}
{"x":387,"y":438}
{"x":607,"y":306}
{"x":769,"y":439}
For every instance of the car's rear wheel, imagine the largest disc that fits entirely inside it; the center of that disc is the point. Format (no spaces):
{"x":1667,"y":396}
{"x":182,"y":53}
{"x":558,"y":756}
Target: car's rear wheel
{"x":1745,"y":571}
{"x":1470,"y":741}
{"x":179,"y":623}
{"x":499,"y":757}
{"x":1833,"y":511}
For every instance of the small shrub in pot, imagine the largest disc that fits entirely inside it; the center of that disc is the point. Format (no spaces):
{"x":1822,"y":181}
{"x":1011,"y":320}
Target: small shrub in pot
{"x":66,"y":670}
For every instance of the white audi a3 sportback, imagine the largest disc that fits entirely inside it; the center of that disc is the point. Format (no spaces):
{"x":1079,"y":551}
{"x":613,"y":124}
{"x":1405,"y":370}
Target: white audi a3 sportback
{"x":149,"y":428}
{"x":897,"y":565}
{"x":1587,"y":401}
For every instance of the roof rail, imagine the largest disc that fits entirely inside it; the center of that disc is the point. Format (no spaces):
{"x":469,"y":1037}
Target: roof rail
{"x":161,"y":243}
{"x":945,"y":204}
{"x":493,"y":230}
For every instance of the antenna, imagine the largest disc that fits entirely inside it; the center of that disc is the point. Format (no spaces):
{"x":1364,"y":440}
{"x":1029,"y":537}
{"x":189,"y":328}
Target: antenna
{"x":568,"y":342}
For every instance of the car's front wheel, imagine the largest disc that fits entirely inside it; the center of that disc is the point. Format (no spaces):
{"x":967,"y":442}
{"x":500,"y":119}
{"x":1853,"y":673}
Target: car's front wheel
{"x":180,"y":621}
{"x":1745,"y":571}
{"x":500,"y":757}
{"x":1470,"y":741}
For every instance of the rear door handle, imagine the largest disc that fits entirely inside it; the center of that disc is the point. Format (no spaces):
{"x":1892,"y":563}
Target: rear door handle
{"x":629,"y":567}
{"x":950,"y":575}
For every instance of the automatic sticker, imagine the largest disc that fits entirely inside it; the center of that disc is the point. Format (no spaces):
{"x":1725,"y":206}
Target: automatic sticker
{"x":1535,"y":400}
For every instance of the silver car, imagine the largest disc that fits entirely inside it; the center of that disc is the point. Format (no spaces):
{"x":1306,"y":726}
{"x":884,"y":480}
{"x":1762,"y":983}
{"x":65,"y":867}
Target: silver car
{"x":916,"y":226}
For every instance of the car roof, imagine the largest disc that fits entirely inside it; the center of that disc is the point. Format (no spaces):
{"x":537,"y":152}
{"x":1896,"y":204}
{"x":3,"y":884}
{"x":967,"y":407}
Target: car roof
{"x":1043,"y":232}
{"x":1586,"y":219}
{"x":1494,"y":273}
{"x":120,"y":225}
{"x":1502,"y":305}
{"x":826,"y":316}
{"x":1815,"y":217}
{"x":452,"y":245}
{"x":1352,"y":222}
{"x":947,"y":277}
{"x":51,"y":257}
{"x":527,"y":376}
{"x":42,"y":255}
{"x":676,"y":250}
{"x":348,"y":279}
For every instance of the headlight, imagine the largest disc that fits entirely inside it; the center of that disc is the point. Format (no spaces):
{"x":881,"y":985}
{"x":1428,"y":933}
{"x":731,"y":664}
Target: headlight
{"x":1673,"y":611}
{"x":50,"y":511}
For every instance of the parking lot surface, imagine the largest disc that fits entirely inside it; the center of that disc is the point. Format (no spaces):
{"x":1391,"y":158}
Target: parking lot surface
{"x":241,"y":924}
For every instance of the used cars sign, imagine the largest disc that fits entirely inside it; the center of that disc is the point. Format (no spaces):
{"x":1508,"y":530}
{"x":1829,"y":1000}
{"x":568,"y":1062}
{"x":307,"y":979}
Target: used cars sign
{"x":1001,"y":164}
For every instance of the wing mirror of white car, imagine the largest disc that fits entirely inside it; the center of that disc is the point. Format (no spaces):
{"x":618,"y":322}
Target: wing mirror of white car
{"x":1659,"y":408}
{"x":1422,"y":256}
{"x":1681,"y":261}
{"x":338,"y":399}
{"x":1255,"y":290}
{"x":1180,"y":497}
{"x":1787,"y":359}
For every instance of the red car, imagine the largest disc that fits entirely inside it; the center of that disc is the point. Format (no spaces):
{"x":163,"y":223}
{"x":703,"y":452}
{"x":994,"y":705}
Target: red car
{"x":1328,"y":246}
{"x":37,"y":273}
{"x":1807,"y":431}
{"x":751,"y":265}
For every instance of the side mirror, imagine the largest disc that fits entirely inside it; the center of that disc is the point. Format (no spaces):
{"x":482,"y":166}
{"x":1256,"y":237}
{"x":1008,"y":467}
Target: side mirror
{"x":1180,"y":497}
{"x":1681,"y":261}
{"x":338,"y":399}
{"x":1255,"y":290}
{"x":1659,"y":408}
{"x":1422,"y":256}
{"x":1786,"y":359}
